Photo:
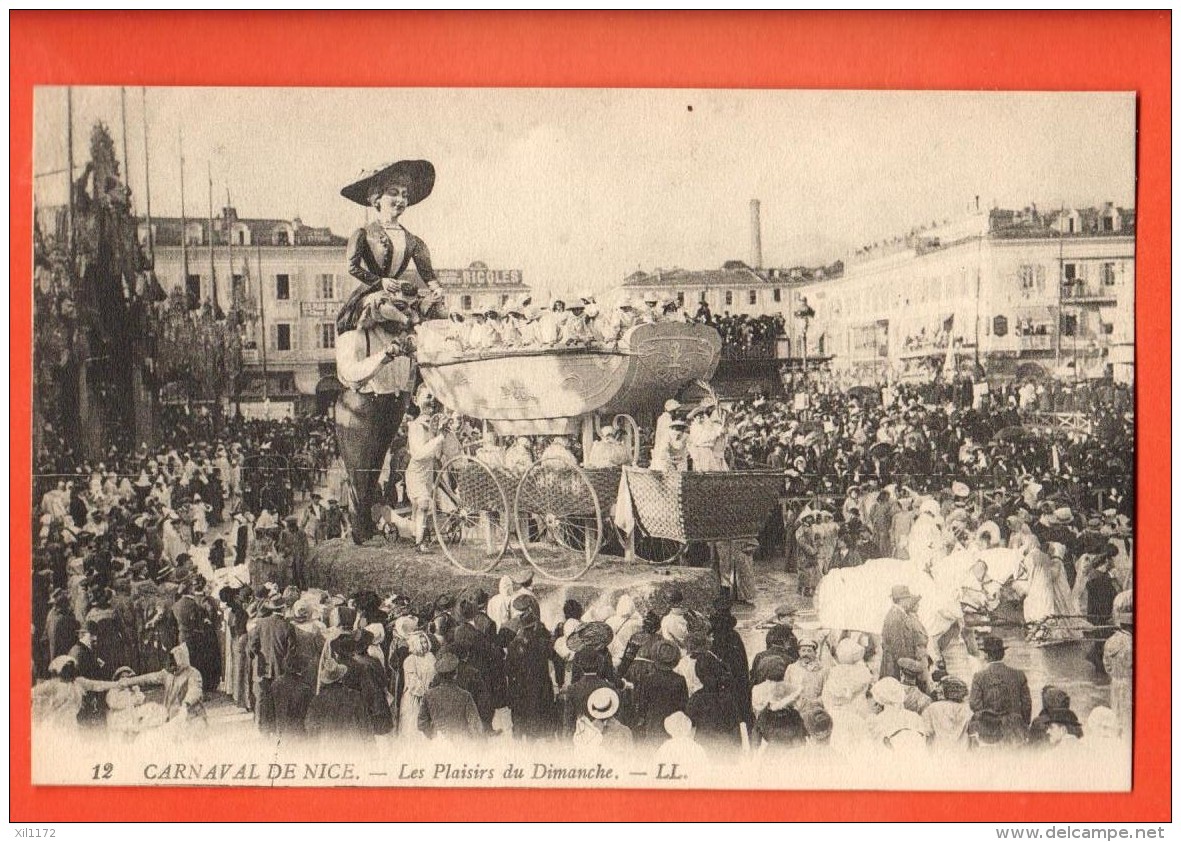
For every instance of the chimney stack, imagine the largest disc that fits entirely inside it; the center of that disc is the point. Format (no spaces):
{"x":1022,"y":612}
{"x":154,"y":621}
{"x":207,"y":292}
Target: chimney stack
{"x":756,"y":236}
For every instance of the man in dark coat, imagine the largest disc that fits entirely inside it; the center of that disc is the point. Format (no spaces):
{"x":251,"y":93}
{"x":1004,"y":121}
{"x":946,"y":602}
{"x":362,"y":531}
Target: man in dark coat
{"x":112,"y":644}
{"x":195,"y":629}
{"x":447,"y":709}
{"x":727,"y":645}
{"x":526,"y":667}
{"x":61,"y":627}
{"x":781,"y":643}
{"x":292,"y":695}
{"x":472,"y":673}
{"x":269,"y":642}
{"x":659,"y":692}
{"x":587,"y":679}
{"x":367,"y":676}
{"x":903,"y":635}
{"x":93,"y":713}
{"x":1000,"y":694}
{"x":337,"y":713}
{"x":292,"y":544}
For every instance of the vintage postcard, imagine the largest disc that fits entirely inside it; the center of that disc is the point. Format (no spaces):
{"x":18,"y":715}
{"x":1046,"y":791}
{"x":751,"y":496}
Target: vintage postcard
{"x":596,"y":438}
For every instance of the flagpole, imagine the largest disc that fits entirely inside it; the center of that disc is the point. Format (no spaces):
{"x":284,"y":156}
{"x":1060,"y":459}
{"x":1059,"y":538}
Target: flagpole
{"x":262,"y":315}
{"x":126,"y":157}
{"x":148,"y":185}
{"x":229,"y":243}
{"x":212,"y":265}
{"x":70,"y":241}
{"x":184,"y":223}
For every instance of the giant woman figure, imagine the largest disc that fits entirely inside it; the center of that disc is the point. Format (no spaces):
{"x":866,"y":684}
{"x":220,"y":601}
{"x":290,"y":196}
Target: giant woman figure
{"x":374,"y":343}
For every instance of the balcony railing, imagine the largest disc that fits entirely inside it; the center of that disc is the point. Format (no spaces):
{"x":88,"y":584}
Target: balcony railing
{"x":1084,"y":292}
{"x":1036,"y":342}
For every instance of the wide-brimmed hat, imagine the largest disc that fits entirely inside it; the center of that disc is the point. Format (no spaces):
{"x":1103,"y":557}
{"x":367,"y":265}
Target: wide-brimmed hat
{"x":592,"y":636}
{"x":603,"y":703}
{"x":419,"y":176}
{"x":1063,"y":515}
{"x":960,"y":489}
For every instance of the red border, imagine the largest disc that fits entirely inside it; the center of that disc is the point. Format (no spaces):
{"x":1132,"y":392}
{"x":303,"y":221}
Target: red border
{"x":919,"y":50}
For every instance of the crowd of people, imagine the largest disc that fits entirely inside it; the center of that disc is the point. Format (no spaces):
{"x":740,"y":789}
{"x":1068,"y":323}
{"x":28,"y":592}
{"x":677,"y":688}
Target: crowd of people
{"x":377,"y":669}
{"x":741,"y":332}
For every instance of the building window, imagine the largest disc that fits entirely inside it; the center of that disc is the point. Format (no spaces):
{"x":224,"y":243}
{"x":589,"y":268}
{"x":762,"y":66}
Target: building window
{"x":777,"y":295}
{"x":1108,"y":223}
{"x":1000,"y":326}
{"x":1107,"y":273}
{"x":1070,"y":271}
{"x":193,"y":291}
{"x":282,"y":287}
{"x":328,"y":335}
{"x":281,"y":238}
{"x":681,"y":299}
{"x":1070,"y":225}
{"x":1069,"y":325}
{"x":282,"y":336}
{"x":729,"y":298}
{"x":465,"y":302}
{"x":241,"y":237}
{"x":503,"y":300}
{"x":327,"y":284}
{"x":753,"y":297}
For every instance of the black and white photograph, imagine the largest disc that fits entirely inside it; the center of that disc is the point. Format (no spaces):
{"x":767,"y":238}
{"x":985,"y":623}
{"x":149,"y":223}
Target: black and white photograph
{"x":596,"y":438}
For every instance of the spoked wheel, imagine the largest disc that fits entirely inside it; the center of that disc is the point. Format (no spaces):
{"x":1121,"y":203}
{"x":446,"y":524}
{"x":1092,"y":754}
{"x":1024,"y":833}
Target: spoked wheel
{"x":558,"y":520}
{"x":657,"y":551}
{"x":470,"y":514}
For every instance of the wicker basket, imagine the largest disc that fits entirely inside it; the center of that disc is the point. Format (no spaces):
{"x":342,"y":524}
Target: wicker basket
{"x":704,"y":505}
{"x":605,"y":482}
{"x":476,"y":491}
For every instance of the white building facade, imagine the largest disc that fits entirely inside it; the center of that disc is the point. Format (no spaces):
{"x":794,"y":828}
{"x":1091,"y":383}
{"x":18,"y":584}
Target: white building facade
{"x":1009,"y":294}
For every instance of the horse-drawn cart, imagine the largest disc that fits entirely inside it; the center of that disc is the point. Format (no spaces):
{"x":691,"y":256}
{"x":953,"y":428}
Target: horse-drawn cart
{"x":560,"y":515}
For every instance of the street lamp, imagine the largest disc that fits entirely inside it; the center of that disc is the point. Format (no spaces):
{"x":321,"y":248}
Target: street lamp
{"x":805,"y":313}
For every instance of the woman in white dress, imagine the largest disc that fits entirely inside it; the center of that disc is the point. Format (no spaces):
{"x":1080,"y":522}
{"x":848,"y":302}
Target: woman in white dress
{"x":1049,"y":590}
{"x":418,"y":673}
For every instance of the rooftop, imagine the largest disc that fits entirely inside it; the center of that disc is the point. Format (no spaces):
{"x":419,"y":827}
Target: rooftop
{"x":732,"y":273}
{"x":267,"y":232}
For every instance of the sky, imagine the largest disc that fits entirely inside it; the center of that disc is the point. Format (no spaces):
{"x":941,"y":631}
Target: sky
{"x":578,"y":188}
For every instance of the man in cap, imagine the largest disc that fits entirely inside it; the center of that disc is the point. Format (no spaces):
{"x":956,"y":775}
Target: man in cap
{"x":903,"y":635}
{"x":447,"y":709}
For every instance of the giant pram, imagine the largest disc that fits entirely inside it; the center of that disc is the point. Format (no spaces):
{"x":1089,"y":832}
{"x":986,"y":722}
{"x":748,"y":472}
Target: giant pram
{"x":562,"y":514}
